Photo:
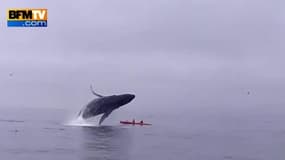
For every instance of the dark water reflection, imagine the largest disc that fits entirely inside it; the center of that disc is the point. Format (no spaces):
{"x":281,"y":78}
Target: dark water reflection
{"x":104,"y":143}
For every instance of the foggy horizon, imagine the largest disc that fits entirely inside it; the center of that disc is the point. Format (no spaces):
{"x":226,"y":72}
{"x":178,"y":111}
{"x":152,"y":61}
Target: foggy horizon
{"x":183,"y":50}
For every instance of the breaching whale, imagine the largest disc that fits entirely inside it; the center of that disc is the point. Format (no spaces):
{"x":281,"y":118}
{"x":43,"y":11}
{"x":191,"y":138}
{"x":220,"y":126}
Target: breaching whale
{"x":104,"y":105}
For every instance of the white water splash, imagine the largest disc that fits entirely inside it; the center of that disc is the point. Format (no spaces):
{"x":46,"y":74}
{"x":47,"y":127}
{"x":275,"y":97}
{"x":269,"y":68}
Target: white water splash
{"x":79,"y":121}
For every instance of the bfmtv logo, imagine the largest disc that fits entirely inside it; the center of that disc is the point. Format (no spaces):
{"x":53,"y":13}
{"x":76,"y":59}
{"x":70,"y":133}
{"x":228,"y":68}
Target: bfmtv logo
{"x":27,"y":18}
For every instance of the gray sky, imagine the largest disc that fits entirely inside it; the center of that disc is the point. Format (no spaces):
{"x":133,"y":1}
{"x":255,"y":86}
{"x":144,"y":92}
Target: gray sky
{"x":169,"y":53}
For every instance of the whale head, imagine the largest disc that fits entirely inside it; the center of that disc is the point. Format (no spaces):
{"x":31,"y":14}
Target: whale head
{"x":124,"y":99}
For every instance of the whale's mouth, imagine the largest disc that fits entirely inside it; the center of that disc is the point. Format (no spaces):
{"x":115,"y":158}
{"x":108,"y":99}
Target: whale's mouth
{"x":132,"y":96}
{"x":128,"y":98}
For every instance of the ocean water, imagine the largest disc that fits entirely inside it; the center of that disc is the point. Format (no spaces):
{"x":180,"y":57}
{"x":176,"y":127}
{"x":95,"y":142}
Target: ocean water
{"x":45,"y":134}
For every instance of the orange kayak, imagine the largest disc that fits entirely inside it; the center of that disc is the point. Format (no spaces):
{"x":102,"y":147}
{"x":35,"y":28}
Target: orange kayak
{"x":134,"y":123}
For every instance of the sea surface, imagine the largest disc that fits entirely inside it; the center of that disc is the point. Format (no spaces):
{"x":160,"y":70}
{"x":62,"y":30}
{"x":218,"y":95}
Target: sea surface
{"x":52,"y":134}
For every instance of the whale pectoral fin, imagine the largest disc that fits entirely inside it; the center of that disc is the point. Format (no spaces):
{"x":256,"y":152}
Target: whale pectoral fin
{"x":105,"y":115}
{"x":93,"y":92}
